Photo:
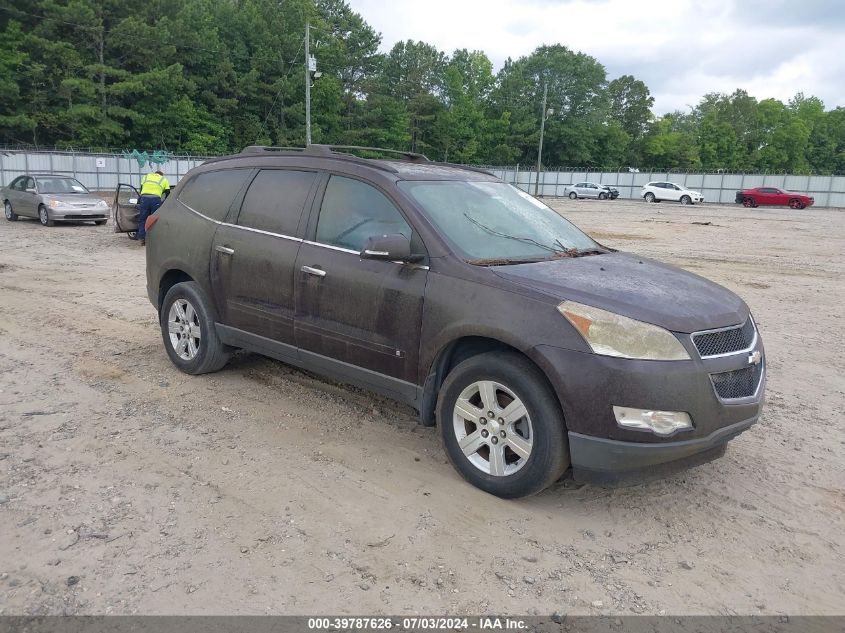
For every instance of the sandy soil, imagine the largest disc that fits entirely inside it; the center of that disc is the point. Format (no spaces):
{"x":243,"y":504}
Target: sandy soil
{"x":127,"y":487}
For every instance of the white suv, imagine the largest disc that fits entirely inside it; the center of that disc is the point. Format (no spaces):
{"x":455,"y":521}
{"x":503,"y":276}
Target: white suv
{"x":657,"y":191}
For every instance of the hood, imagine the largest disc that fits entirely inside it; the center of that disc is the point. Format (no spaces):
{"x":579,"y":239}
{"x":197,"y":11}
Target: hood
{"x":636,"y":287}
{"x":86,"y":199}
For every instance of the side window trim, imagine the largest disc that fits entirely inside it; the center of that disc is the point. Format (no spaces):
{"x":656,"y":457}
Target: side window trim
{"x":311,"y":233}
{"x":235,"y":211}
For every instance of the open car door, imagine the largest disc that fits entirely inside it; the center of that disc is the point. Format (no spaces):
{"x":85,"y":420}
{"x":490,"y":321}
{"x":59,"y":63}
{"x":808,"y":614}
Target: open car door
{"x":125,"y":209}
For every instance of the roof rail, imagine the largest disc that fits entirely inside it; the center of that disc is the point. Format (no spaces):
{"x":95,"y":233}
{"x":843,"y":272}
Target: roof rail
{"x":260,"y":149}
{"x":414,"y":157}
{"x":326,"y":150}
{"x":478,"y":170}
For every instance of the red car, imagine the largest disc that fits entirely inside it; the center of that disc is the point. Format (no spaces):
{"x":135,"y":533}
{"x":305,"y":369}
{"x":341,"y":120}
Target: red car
{"x":773,"y":197}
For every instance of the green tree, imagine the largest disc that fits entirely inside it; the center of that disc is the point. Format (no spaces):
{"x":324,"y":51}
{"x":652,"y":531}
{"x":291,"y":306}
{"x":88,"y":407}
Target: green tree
{"x":630,"y":104}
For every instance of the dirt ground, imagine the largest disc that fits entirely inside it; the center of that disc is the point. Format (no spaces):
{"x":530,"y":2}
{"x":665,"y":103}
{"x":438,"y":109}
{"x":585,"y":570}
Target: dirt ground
{"x":127,"y":487}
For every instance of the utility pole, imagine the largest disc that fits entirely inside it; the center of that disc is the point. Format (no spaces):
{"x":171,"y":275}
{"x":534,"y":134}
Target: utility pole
{"x":307,"y":85}
{"x":542,"y":131}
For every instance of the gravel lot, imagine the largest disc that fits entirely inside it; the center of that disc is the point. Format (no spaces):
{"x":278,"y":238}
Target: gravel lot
{"x":127,"y":487}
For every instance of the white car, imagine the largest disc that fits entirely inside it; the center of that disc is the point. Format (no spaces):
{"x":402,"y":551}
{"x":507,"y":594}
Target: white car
{"x":659,"y":190}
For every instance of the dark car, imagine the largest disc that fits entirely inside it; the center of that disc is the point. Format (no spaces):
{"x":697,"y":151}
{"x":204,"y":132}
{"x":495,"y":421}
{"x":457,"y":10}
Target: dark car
{"x":773,"y":197}
{"x":614,"y":192}
{"x":530,"y":345}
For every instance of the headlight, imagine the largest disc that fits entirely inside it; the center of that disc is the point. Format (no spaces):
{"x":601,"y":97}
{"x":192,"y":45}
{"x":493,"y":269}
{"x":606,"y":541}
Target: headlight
{"x":58,"y":204}
{"x":614,"y":335}
{"x":102,"y":204}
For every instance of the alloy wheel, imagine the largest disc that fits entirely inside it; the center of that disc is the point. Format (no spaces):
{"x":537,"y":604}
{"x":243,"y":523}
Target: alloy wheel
{"x":43,"y":216}
{"x":8,"y":210}
{"x":183,"y":328}
{"x":493,"y":428}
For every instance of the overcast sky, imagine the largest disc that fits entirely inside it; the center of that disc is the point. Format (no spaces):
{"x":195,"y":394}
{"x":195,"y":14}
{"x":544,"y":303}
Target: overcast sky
{"x":681,"y":49}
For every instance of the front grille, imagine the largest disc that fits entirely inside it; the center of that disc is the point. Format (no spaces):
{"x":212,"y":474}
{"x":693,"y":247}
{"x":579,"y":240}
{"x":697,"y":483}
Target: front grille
{"x":741,"y":383}
{"x":98,"y":216}
{"x":725,"y":341}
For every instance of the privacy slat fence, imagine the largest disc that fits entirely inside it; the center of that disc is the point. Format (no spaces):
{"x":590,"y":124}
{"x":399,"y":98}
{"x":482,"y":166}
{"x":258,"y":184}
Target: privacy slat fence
{"x":829,"y":191}
{"x":102,"y":172}
{"x":98,"y":172}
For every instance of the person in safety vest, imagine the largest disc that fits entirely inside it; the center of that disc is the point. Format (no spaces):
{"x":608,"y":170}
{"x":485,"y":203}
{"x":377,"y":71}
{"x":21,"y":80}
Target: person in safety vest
{"x":154,"y":188}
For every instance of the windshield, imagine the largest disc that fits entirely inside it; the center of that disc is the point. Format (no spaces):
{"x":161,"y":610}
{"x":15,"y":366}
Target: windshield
{"x":493,"y":222}
{"x":60,"y":185}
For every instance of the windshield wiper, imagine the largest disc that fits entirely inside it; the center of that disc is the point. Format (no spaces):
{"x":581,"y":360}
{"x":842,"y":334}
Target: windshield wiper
{"x":503,"y":261}
{"x":525,"y":240}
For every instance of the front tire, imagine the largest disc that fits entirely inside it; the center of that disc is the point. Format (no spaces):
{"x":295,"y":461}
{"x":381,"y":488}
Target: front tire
{"x":686,"y":200}
{"x":649,"y":197}
{"x":795,"y":203}
{"x":188,"y":331}
{"x":44,"y":217}
{"x":11,"y":216}
{"x":573,"y":195}
{"x":602,"y":196}
{"x":99,"y":222}
{"x":522,"y":448}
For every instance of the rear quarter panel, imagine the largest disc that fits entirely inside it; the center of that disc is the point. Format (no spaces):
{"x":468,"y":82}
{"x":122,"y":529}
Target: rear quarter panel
{"x":179,"y":240}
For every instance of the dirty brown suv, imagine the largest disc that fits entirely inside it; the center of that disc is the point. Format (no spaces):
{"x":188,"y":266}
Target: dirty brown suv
{"x":533,"y":348}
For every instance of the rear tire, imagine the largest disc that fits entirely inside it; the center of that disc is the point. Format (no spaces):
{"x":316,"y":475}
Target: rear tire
{"x":649,"y":197}
{"x":44,"y":217}
{"x":573,"y":195}
{"x":521,"y":450}
{"x":749,"y":203}
{"x":11,"y":216}
{"x":188,"y":331}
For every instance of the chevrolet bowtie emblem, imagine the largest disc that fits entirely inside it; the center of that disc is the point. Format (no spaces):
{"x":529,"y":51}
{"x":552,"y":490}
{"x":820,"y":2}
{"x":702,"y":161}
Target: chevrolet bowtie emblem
{"x":755,"y":357}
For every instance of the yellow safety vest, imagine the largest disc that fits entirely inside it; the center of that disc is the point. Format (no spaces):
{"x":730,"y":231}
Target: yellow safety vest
{"x":154,"y":184}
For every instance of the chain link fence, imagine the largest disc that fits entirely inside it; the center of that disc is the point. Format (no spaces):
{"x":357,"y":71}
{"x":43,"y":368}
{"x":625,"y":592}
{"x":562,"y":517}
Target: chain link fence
{"x":97,"y":171}
{"x":103,"y":172}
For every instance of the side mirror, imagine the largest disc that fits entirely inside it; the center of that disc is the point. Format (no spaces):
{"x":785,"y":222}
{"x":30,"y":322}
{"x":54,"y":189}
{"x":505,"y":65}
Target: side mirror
{"x":393,"y":248}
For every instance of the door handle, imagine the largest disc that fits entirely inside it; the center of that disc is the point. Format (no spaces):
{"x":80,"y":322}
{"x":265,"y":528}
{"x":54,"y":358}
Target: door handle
{"x":225,"y":250}
{"x":317,"y":272}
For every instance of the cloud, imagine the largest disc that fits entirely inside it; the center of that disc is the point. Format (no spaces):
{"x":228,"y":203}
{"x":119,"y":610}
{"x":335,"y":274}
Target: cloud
{"x":682,"y":49}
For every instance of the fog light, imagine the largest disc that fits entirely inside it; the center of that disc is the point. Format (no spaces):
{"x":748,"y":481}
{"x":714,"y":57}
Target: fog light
{"x":659,"y":422}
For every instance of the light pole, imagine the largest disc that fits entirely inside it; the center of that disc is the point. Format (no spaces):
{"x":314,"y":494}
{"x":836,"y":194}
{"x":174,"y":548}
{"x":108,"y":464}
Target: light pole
{"x":542,"y":131}
{"x":307,"y":85}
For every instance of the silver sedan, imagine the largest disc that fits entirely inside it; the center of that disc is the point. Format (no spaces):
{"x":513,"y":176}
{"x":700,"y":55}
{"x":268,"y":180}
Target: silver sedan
{"x":587,"y":190}
{"x":52,"y":199}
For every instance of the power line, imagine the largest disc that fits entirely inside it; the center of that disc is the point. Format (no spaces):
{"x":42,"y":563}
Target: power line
{"x":285,"y":76}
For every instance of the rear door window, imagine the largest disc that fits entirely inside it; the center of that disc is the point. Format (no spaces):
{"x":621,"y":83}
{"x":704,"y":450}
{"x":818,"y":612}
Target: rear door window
{"x":212,"y":192}
{"x":275,"y":199}
{"x":353,"y":211}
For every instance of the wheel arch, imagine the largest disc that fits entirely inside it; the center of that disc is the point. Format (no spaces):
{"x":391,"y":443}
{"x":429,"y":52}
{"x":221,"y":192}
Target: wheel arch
{"x":168,"y":280}
{"x":455,"y":352}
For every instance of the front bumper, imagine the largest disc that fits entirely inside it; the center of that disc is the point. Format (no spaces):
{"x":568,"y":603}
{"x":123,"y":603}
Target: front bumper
{"x":77,"y":215}
{"x":613,"y":463}
{"x":589,"y":385}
